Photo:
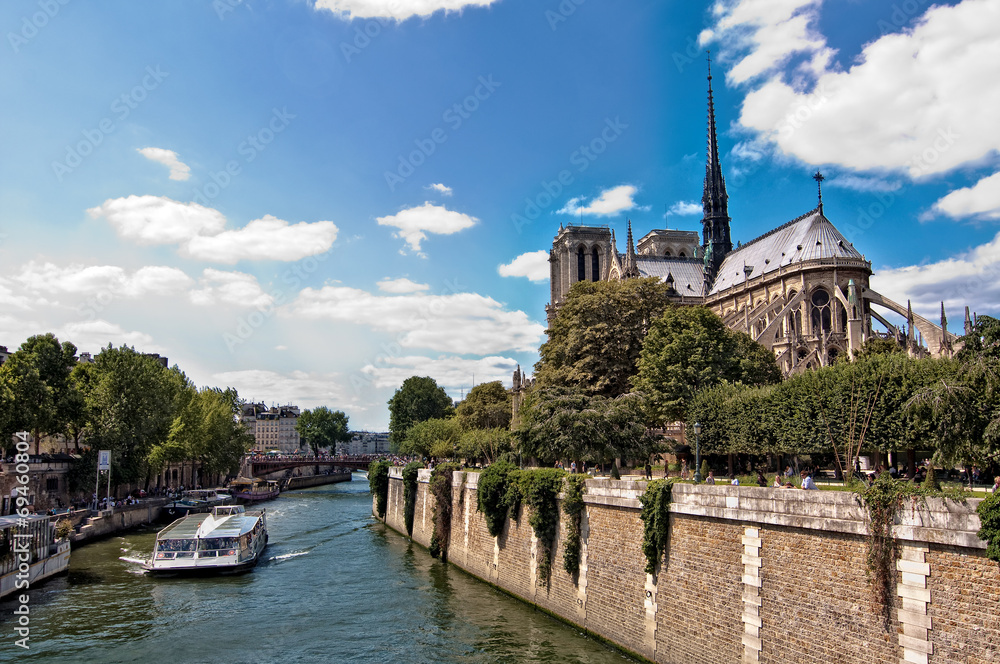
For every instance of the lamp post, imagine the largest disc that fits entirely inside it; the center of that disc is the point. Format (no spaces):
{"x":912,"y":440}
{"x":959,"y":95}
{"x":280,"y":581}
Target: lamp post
{"x":697,"y":452}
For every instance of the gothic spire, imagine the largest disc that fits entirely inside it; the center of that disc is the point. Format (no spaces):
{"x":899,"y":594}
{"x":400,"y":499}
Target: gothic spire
{"x":714,"y":199}
{"x":968,"y":322}
{"x":819,"y":187}
{"x":631,"y":268}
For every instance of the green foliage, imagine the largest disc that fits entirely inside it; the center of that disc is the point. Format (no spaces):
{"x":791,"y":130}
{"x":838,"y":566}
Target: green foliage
{"x":930,"y":482}
{"x":487,"y":406}
{"x":378,"y":483}
{"x":704,"y":469}
{"x":595,"y":340}
{"x":989,"y":521}
{"x":882,"y":500}
{"x":490,"y":494}
{"x":655,"y":517}
{"x":573,"y":507}
{"x":63,"y":528}
{"x":323,"y":428}
{"x":417,"y":400}
{"x":615,"y":475}
{"x":410,"y":493}
{"x":433,"y":438}
{"x":879,"y":346}
{"x":561,"y":423}
{"x":486,"y":445}
{"x":441,"y":489}
{"x":538,"y":488}
{"x":689,"y":349}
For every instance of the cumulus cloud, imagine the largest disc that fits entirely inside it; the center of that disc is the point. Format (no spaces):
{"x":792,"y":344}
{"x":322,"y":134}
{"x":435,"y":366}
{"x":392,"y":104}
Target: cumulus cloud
{"x":111,"y":280}
{"x":451,"y":372}
{"x":304,"y":389}
{"x":441,"y":189}
{"x":200,"y":231}
{"x":414,"y":223}
{"x":399,"y":10}
{"x":158,"y":219}
{"x":231,"y":288}
{"x":401,"y":285}
{"x":611,"y":201}
{"x":457,"y":323}
{"x":980,"y":201}
{"x":972,"y":278}
{"x":267,"y":238}
{"x":683,"y":208}
{"x":178,"y":169}
{"x":860,"y":183}
{"x":97,"y":334}
{"x":534,"y":265}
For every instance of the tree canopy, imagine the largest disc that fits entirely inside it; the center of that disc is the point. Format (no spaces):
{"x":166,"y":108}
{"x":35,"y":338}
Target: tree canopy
{"x":487,"y":406}
{"x":323,"y":428}
{"x":417,"y":400}
{"x":596,"y":338}
{"x":436,"y":437}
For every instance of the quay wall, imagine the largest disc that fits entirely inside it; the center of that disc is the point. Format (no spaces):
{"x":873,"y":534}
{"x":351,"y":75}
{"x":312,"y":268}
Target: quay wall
{"x":123,"y":518}
{"x":303,"y":481}
{"x":750,"y":574}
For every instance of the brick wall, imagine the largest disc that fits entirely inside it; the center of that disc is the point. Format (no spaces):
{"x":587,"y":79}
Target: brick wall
{"x":750,"y":575}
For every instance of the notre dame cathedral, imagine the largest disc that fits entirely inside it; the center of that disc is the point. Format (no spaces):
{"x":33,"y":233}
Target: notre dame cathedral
{"x":800,"y":289}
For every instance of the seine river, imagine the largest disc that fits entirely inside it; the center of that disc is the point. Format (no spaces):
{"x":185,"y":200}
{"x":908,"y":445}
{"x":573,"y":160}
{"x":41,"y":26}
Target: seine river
{"x":334,"y":586}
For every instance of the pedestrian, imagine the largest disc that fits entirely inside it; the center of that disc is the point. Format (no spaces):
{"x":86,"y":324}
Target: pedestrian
{"x":649,"y":471}
{"x":807,"y":481}
{"x":996,"y":484}
{"x":572,"y":467}
{"x":711,"y":478}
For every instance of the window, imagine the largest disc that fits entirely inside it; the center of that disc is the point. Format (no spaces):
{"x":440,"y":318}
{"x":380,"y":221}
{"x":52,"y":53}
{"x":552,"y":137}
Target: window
{"x":821,"y":314}
{"x":581,"y":265}
{"x":595,"y":265}
{"x":52,"y":484}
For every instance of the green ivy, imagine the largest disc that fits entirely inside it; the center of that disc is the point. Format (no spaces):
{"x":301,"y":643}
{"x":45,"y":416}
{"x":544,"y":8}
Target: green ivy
{"x":655,"y":517}
{"x":410,"y":493}
{"x":573,"y":508}
{"x":440,"y":487}
{"x":490,"y":494}
{"x":378,"y":482}
{"x":989,"y":519}
{"x":539,"y":489}
{"x":882,"y":500}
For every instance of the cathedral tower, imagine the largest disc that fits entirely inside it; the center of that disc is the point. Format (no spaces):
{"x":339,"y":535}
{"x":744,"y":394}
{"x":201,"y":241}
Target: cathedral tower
{"x":716,"y":239}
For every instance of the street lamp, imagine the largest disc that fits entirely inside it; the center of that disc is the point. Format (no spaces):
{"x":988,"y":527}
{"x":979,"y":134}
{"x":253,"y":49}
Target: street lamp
{"x":697,"y":452}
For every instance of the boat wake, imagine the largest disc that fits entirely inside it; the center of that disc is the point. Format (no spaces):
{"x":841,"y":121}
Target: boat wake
{"x":286,"y":556}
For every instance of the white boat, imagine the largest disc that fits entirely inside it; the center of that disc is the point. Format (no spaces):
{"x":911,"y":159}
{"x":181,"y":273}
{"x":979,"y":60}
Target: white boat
{"x":29,"y":552}
{"x":229,"y":540}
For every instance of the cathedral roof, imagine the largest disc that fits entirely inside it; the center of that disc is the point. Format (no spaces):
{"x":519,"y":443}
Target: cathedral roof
{"x":688,"y":273}
{"x":809,"y":237}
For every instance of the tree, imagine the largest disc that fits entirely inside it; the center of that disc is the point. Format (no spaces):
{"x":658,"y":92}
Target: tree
{"x":595,"y":340}
{"x":436,"y":437}
{"x":689,"y":349}
{"x":323,"y":428}
{"x":485,"y":444}
{"x":487,"y":406}
{"x":38,"y":377}
{"x":417,"y":400}
{"x":879,"y":346}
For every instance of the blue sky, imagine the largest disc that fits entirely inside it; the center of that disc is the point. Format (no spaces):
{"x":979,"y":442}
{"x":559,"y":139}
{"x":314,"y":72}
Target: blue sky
{"x":311,"y":200}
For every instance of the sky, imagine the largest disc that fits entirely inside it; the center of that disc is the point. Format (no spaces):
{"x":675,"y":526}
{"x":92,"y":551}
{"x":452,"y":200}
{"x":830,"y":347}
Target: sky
{"x":312,"y":200}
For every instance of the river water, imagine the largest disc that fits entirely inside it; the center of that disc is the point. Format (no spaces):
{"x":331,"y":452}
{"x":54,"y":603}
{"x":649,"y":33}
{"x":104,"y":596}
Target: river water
{"x":333,"y":586}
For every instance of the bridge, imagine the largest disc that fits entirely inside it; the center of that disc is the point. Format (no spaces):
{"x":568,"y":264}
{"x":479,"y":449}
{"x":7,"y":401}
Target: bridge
{"x":262,"y":465}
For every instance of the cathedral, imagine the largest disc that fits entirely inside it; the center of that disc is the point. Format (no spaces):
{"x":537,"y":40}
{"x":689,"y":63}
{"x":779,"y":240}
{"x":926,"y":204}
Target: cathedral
{"x":801,"y":289}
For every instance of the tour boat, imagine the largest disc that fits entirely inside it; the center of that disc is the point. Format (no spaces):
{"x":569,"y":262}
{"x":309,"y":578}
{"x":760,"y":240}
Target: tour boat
{"x":29,"y":552}
{"x":229,"y":540}
{"x":194,"y":501}
{"x":253,"y":490}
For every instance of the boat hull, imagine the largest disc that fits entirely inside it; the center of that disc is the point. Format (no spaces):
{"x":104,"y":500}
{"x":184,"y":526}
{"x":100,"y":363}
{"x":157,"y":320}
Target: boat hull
{"x":53,"y":565}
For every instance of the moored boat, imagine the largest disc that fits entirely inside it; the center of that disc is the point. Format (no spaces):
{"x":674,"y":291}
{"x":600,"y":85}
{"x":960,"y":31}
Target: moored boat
{"x":229,"y":540}
{"x":253,"y":490}
{"x":29,"y":552}
{"x":194,"y":501}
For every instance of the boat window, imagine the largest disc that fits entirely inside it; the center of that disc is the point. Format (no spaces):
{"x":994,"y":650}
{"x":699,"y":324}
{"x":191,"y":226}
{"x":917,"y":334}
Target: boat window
{"x":176,"y":545}
{"x":217,"y":543}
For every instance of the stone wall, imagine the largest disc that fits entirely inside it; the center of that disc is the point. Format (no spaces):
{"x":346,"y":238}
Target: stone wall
{"x":750,"y":575}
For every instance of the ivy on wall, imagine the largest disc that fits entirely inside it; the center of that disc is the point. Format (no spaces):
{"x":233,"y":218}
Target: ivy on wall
{"x":378,"y":483}
{"x":655,"y":517}
{"x":538,"y":488}
{"x":410,"y":493}
{"x":989,"y":520}
{"x":576,"y":486}
{"x":441,"y":489}
{"x":491,"y":494}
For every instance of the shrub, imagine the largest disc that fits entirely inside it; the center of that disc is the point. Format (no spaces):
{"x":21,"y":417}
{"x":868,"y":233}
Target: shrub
{"x":989,"y":519}
{"x":492,"y":489}
{"x":378,"y":482}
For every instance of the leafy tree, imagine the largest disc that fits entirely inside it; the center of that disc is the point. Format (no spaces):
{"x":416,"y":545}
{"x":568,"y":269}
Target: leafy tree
{"x":879,"y":346}
{"x":595,"y":340}
{"x":689,"y":349}
{"x":485,"y":444}
{"x":417,"y":400}
{"x":433,"y":438}
{"x":323,"y":428}
{"x":488,"y":406}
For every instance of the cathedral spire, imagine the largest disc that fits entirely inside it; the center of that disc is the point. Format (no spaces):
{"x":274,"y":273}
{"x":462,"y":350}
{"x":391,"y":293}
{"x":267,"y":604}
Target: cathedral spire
{"x":631,"y":268}
{"x":819,"y":187}
{"x":714,"y":199}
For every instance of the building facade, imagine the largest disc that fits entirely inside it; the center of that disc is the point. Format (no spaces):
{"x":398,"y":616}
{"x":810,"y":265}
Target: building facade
{"x":273,"y":428}
{"x":365,"y":442}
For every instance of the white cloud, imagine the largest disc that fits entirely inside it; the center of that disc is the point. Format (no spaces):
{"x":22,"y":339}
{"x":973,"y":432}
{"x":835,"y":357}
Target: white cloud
{"x":450,"y":372}
{"x":414,"y":223}
{"x":457,"y":323}
{"x":9,"y":299}
{"x":683,"y":208}
{"x":200,"y":231}
{"x":859,"y":183}
{"x":401,"y":285}
{"x":440,"y":188}
{"x":97,"y":334}
{"x":178,"y":169}
{"x":110,"y":280}
{"x":158,"y":219}
{"x":611,"y":201}
{"x":399,"y":10}
{"x":912,"y":102}
{"x":981,"y":200}
{"x":970,"y":279}
{"x":267,"y":238}
{"x":232,"y":288}
{"x":304,"y":389}
{"x":534,"y":265}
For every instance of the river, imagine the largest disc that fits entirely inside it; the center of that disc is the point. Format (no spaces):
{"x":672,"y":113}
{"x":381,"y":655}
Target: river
{"x":334,"y":586}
